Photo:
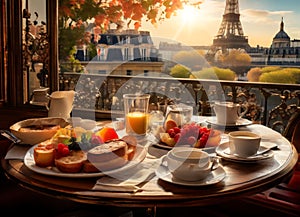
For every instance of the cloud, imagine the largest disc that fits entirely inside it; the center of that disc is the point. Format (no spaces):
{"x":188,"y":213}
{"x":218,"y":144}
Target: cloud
{"x":257,"y":16}
{"x":212,"y":10}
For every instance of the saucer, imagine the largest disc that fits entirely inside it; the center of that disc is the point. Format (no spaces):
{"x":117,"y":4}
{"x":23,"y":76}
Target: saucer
{"x":223,"y":151}
{"x":241,"y":122}
{"x":214,"y":177}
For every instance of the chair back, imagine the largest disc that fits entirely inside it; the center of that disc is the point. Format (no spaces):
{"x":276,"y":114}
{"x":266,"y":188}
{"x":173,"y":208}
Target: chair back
{"x":292,"y":130}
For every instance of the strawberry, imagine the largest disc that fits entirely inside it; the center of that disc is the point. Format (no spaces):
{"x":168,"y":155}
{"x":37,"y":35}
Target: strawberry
{"x":62,"y":150}
{"x":65,"y":151}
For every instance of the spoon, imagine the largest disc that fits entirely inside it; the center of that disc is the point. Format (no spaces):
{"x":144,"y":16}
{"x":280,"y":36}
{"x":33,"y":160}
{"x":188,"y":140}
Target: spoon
{"x":273,"y":147}
{"x":267,"y":149}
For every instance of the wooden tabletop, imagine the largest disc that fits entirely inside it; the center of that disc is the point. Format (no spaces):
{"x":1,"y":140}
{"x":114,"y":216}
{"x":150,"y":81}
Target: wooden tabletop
{"x":241,"y":179}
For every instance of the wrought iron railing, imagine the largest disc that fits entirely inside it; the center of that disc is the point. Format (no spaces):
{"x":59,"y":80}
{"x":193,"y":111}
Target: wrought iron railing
{"x":269,"y":104}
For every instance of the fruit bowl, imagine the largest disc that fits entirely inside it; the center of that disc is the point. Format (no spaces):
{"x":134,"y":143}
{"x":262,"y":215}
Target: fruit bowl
{"x":192,"y":135}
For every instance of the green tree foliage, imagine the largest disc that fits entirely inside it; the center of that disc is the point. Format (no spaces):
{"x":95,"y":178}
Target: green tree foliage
{"x":193,"y":59}
{"x":180,"y":71}
{"x":215,"y":73}
{"x":274,"y":74}
{"x":270,"y":69}
{"x":296,"y":74}
{"x":283,"y":76}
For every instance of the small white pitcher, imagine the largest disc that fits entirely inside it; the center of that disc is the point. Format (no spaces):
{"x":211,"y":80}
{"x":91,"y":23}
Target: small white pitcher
{"x":228,"y":112}
{"x":61,"y":104}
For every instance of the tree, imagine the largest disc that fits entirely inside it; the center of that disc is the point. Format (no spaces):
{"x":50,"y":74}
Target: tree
{"x":235,"y":58}
{"x":279,"y":76}
{"x":180,"y":71}
{"x":254,"y":74}
{"x":274,"y":74}
{"x":215,"y":73}
{"x":268,"y":69}
{"x":296,"y":74}
{"x":193,"y":59}
{"x":75,"y":15}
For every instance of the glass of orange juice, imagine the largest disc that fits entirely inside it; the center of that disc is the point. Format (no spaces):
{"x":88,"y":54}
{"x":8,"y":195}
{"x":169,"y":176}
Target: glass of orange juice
{"x":136,"y":113}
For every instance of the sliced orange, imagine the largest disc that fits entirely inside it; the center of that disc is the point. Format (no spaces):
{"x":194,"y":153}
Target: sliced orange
{"x":107,"y":133}
{"x":169,"y":124}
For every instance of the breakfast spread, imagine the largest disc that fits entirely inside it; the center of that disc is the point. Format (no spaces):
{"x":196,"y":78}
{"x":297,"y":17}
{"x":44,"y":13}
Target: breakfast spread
{"x":74,"y":150}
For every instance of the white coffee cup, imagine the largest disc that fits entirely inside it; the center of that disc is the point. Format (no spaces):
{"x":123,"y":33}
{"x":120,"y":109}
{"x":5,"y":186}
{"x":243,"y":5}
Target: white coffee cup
{"x":228,"y":112}
{"x":190,"y":164}
{"x":244,"y":143}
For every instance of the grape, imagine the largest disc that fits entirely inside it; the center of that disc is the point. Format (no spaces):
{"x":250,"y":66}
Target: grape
{"x":177,"y":137}
{"x":171,"y":132}
{"x":176,"y":130}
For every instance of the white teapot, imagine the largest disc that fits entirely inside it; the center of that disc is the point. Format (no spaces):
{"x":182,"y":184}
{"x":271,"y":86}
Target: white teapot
{"x":61,"y":104}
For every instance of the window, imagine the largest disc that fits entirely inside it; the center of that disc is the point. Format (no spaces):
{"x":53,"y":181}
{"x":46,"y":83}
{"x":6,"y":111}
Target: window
{"x":19,"y":70}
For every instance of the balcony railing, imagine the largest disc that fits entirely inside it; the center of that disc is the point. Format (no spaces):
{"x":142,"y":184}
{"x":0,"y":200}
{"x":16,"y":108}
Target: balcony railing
{"x":268,"y":103}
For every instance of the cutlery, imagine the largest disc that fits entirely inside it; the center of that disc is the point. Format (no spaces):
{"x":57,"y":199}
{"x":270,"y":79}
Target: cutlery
{"x":10,"y":136}
{"x":273,"y":147}
{"x":267,"y":149}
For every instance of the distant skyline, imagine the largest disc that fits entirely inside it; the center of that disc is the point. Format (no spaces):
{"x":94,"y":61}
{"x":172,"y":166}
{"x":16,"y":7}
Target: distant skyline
{"x":260,"y":20}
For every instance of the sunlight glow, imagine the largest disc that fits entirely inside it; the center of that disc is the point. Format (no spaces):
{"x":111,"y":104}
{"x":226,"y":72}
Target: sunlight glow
{"x":189,"y":14}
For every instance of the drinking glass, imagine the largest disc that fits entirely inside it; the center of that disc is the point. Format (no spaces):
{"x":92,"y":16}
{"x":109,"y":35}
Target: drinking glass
{"x":136,"y":113}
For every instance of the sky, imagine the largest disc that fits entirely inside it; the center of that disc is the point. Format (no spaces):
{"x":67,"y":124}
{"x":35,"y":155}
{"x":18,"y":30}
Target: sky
{"x":260,"y":21}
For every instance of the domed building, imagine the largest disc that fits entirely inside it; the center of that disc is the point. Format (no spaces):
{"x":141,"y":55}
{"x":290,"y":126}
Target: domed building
{"x":281,"y":39}
{"x":283,"y":50}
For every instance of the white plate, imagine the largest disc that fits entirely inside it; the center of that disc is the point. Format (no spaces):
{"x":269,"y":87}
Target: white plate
{"x":29,"y":162}
{"x":223,"y":151}
{"x":209,"y":150}
{"x":214,"y":177}
{"x":163,"y":145}
{"x":239,"y":123}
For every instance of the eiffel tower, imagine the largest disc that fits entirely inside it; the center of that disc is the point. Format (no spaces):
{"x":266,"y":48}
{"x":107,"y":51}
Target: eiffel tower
{"x":230,"y":34}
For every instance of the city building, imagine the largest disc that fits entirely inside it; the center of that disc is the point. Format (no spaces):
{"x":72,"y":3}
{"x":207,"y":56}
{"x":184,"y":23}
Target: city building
{"x":283,"y":50}
{"x":129,"y":52}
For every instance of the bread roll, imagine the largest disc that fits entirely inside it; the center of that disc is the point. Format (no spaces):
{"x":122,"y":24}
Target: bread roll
{"x":131,"y":145}
{"x":88,"y":167}
{"x":107,"y":156}
{"x":72,"y":163}
{"x":44,"y":155}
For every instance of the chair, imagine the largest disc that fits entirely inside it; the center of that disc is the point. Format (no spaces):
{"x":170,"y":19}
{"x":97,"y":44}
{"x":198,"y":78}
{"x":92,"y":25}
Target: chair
{"x":285,"y":197}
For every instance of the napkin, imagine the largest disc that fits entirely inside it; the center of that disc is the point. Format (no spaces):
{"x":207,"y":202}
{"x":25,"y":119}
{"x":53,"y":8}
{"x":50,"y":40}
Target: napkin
{"x":266,"y":133}
{"x":17,"y":152}
{"x":131,"y":180}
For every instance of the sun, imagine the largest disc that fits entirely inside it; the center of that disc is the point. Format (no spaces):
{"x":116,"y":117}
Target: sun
{"x":189,"y":14}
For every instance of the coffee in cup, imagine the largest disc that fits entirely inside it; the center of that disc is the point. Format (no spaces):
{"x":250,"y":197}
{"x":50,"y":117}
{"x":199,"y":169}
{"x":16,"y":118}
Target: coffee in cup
{"x":190,"y":164}
{"x":244,"y":143}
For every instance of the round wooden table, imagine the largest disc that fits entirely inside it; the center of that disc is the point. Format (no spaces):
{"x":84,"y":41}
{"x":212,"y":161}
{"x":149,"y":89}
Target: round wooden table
{"x":241,"y":179}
